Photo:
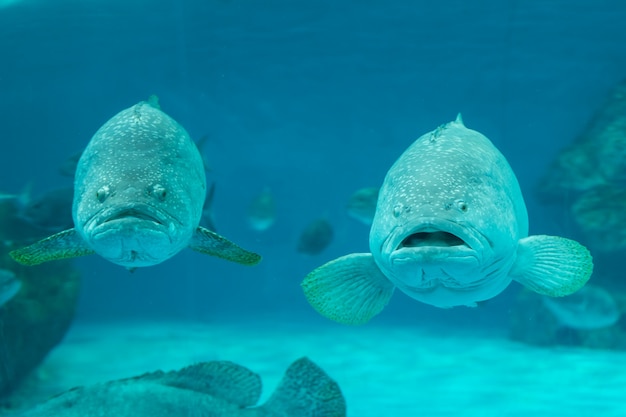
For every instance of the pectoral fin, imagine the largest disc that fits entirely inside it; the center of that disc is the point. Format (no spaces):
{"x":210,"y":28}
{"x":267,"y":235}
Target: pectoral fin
{"x":210,"y":243}
{"x":63,"y":245}
{"x":552,"y":265}
{"x":348,"y":290}
{"x":221,"y":379}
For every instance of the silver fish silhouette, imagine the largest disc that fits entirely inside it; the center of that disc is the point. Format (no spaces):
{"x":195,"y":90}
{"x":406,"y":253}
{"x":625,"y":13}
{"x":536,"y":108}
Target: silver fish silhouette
{"x":362,"y":205}
{"x":139,"y":189}
{"x":450,"y":229}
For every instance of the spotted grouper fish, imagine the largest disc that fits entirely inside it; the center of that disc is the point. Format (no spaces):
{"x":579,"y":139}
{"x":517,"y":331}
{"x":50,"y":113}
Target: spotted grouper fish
{"x":217,"y":388}
{"x":139,"y":189}
{"x":450,"y":229}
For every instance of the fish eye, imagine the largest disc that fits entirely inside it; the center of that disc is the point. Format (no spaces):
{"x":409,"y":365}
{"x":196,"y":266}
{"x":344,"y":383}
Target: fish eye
{"x":461,"y":205}
{"x":103,"y":193}
{"x":397,"y":210}
{"x":159,"y":191}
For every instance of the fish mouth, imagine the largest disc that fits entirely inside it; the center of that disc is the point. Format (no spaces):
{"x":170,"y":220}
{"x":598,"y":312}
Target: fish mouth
{"x":144,"y":213}
{"x":133,"y":213}
{"x":436,"y":238}
{"x":442,"y":262}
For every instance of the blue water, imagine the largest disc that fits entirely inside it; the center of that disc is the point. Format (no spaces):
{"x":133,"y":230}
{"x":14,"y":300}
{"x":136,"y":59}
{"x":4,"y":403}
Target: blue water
{"x":314,"y":99}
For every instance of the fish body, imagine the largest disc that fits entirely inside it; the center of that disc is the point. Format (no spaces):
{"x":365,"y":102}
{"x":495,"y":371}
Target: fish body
{"x":139,"y":190}
{"x":262,"y":211}
{"x":9,"y":286}
{"x":217,"y":388}
{"x":68,"y":166}
{"x":315,"y":237}
{"x":449,"y":218}
{"x":450,"y":229}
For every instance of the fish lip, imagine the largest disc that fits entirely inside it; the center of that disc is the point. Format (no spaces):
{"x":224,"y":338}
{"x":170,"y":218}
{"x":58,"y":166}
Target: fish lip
{"x":144,"y":212}
{"x":470,"y":241}
{"x":135,"y":212}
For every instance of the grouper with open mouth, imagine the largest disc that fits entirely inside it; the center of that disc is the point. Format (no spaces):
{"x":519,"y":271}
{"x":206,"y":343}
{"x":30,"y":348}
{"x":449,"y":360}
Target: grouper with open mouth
{"x":139,"y":190}
{"x":450,"y":229}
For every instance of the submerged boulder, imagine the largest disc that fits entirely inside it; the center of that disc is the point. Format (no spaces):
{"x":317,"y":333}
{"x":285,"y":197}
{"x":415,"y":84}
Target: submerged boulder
{"x":589,"y":176}
{"x":586,"y":182}
{"x":596,"y":158}
{"x":532,"y":321}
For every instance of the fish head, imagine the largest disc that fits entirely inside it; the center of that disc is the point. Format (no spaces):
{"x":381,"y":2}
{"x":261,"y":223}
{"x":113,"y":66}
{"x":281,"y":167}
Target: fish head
{"x":133,"y":225}
{"x":140,"y":187}
{"x":448,"y":220}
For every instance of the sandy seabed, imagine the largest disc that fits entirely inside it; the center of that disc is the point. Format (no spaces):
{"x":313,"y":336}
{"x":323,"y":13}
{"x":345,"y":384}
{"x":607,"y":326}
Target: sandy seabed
{"x":383,"y":370}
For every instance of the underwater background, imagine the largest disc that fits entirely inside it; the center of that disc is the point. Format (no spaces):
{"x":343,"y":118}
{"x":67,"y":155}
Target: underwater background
{"x":314,"y":100}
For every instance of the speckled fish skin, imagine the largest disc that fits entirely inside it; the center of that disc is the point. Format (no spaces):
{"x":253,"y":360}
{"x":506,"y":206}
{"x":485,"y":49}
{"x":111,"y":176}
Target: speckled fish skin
{"x":450,"y":229}
{"x":141,"y":161}
{"x":451,"y":180}
{"x":139,"y":192}
{"x":207,"y":389}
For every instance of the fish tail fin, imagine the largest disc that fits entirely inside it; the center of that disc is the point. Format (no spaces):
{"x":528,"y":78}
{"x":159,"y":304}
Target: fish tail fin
{"x":208,"y":219}
{"x":349,"y":290}
{"x":306,"y":391}
{"x":552,"y":265}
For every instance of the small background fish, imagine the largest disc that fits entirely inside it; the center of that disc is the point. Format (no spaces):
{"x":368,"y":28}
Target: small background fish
{"x":262,"y":211}
{"x":362,"y":204}
{"x":315,"y":237}
{"x":9,"y":286}
{"x":4,"y":196}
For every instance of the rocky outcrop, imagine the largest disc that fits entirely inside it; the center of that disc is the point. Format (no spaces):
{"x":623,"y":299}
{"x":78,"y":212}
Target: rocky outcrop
{"x":532,"y":323}
{"x":37,"y":318}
